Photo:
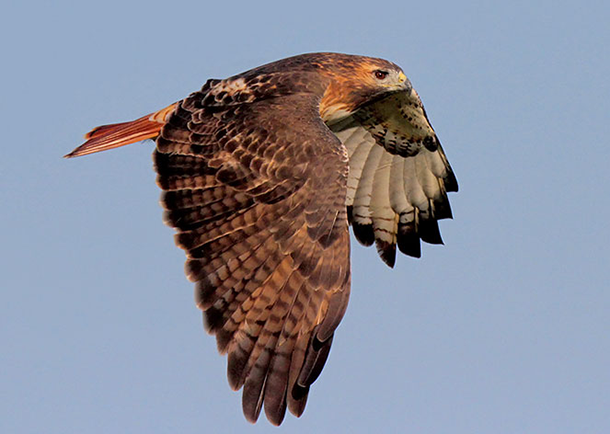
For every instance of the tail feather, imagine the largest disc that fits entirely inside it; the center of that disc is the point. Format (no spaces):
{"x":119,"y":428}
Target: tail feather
{"x":113,"y":136}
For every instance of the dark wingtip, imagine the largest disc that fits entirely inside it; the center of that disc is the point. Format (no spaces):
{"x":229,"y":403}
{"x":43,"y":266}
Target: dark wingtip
{"x":350,"y":217}
{"x":276,"y":415}
{"x":298,"y":393}
{"x":408,"y":243}
{"x":442,"y":209}
{"x":451,"y":183}
{"x":387,"y":252}
{"x":318,"y":355}
{"x":364,"y":233}
{"x":213,"y":319}
{"x":429,"y":231}
{"x":299,"y":400}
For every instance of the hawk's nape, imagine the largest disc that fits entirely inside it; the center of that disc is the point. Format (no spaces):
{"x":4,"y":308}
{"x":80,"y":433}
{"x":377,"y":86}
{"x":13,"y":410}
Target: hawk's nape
{"x":262,"y":173}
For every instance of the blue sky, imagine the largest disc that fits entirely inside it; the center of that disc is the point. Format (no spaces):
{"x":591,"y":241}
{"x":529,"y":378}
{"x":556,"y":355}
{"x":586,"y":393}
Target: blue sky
{"x":505,"y":329}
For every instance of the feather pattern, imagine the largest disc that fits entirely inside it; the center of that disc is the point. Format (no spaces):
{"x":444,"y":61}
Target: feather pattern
{"x":262,"y":173}
{"x":399,"y":175}
{"x":266,"y":241}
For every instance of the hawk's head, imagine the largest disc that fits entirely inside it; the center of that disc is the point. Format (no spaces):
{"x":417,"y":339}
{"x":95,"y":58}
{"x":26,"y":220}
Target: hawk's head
{"x":358,"y":80}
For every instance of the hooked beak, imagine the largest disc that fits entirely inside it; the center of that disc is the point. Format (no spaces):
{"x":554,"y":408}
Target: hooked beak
{"x":404,"y":81}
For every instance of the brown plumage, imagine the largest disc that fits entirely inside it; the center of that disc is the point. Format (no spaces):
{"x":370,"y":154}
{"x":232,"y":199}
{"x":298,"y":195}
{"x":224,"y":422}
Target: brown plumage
{"x":261,"y":175}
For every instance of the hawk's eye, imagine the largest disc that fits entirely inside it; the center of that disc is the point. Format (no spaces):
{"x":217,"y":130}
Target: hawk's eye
{"x":380,"y":75}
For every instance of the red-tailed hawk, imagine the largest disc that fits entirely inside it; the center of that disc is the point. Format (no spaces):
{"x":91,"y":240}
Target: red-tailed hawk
{"x":262,"y":173}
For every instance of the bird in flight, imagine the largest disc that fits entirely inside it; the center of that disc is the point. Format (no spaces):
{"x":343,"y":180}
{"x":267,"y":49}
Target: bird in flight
{"x":262,"y":173}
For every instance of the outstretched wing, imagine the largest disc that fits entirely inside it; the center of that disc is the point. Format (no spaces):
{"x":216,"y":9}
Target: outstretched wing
{"x":260,"y":211}
{"x":399,"y":176}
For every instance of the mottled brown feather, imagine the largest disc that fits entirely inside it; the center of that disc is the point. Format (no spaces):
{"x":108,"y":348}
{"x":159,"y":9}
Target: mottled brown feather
{"x":267,"y":238}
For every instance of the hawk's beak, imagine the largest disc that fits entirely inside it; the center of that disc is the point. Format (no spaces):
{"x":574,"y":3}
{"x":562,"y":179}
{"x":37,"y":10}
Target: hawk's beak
{"x":403,"y":82}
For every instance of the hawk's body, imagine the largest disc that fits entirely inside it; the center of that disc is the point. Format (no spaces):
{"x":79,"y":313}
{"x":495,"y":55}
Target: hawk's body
{"x":261,"y":174}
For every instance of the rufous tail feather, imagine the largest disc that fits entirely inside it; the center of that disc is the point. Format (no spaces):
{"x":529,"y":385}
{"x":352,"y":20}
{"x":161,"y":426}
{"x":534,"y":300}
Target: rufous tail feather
{"x":125,"y":133}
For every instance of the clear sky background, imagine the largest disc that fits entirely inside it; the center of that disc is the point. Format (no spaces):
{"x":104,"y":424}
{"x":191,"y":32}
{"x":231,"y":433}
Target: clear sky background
{"x":505,"y":329}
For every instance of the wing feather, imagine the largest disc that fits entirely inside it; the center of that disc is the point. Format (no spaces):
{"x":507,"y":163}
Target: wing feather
{"x":383,"y":216}
{"x":266,"y":240}
{"x":361,"y":212}
{"x":398,"y":196}
{"x":358,"y":143}
{"x":399,"y":175}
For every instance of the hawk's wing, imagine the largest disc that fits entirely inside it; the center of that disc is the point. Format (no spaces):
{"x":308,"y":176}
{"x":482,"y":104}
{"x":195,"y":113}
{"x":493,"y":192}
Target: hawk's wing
{"x":399,"y":176}
{"x":260,"y":211}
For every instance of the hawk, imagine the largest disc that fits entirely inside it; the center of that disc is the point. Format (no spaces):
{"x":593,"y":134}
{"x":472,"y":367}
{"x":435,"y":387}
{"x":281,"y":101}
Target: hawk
{"x":262,"y":173}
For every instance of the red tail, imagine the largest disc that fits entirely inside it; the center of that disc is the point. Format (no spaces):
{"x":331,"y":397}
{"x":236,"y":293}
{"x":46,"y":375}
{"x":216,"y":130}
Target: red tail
{"x":125,"y":133}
